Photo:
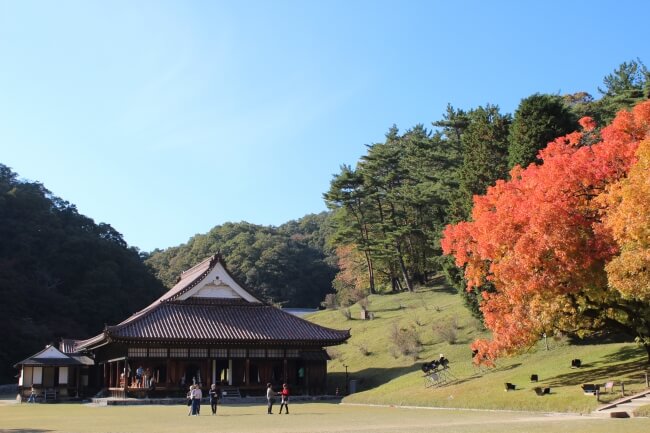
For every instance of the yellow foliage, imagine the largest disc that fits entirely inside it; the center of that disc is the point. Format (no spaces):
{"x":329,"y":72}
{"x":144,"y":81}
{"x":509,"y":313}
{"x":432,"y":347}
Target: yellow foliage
{"x":628,"y":218}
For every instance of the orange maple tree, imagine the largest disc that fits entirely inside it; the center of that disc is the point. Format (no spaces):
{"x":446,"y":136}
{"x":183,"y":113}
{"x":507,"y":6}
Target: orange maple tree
{"x":628,"y":218}
{"x":541,"y":239}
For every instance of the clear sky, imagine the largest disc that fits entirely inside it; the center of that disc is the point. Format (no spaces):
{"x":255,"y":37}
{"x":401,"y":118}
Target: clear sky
{"x":166,"y":118}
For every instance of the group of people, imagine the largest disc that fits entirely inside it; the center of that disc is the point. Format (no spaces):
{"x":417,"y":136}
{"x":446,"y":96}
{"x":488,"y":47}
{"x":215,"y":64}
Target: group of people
{"x":270,"y":398}
{"x":195,"y":395}
{"x":144,"y":378}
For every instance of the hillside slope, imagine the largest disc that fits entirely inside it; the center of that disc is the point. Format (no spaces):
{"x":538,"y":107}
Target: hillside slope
{"x":385,"y":376}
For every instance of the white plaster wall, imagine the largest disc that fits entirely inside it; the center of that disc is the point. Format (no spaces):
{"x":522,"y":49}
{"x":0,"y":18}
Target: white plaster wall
{"x":63,"y":375}
{"x":37,"y":376}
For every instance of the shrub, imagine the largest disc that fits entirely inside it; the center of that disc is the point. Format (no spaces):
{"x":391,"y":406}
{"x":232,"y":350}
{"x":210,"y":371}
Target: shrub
{"x":364,"y":303}
{"x":363,"y":348}
{"x":346,"y":313}
{"x":330,"y":301}
{"x":642,"y":411}
{"x":447,"y":331}
{"x":406,"y":341}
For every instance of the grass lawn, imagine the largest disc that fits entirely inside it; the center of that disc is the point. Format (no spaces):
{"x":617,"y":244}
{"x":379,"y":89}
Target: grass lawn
{"x":386,"y":376}
{"x":305,"y":417}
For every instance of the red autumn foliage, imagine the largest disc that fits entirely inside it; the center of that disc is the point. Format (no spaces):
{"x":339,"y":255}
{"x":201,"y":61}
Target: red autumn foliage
{"x":538,"y":238}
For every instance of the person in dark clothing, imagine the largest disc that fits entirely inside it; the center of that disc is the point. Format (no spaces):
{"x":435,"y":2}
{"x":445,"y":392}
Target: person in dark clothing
{"x":215,"y":396}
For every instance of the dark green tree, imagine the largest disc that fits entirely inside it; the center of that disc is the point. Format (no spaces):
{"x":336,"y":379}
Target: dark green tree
{"x":623,"y":88}
{"x":485,"y":152}
{"x":61,"y":274}
{"x":538,"y":120}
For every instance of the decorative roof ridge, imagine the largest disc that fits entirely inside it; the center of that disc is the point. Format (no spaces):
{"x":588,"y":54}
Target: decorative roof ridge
{"x":213,"y":259}
{"x":194,"y":282}
{"x":212,"y":262}
{"x":213,"y":301}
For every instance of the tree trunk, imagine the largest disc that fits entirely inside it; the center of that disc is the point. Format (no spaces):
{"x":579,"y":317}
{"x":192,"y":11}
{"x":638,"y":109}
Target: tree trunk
{"x":371,"y":273}
{"x":405,"y":275}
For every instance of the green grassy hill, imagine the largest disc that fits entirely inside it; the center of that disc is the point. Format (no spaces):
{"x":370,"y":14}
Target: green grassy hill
{"x":385,"y":376}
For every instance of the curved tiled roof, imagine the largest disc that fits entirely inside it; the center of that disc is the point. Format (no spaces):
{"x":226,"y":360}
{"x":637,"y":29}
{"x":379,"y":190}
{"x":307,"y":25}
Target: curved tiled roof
{"x":214,"y":320}
{"x":230,"y":322}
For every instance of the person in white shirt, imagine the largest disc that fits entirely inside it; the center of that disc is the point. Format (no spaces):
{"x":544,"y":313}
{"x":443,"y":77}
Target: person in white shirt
{"x":270,"y":398}
{"x":198,"y":397}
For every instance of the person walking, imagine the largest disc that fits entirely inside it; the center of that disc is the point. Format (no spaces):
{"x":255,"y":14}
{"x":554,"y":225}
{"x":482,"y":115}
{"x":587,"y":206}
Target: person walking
{"x":32,"y":396}
{"x":285,"y":399}
{"x":199,"y":397}
{"x":190,"y":400}
{"x":270,"y":398}
{"x":215,"y":396}
{"x":138,"y":376}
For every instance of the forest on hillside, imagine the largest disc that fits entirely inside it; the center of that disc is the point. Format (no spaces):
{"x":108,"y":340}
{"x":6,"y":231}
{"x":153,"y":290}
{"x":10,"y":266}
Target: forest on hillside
{"x":63,"y":275}
{"x":290,"y":265}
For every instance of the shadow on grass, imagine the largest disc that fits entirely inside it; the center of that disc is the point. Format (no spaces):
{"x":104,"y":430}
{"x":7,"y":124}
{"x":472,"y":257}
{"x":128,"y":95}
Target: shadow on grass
{"x":24,"y":430}
{"x":371,"y":378}
{"x":590,"y":373}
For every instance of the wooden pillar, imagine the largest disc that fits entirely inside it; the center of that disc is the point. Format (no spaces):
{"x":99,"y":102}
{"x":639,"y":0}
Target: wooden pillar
{"x":247,"y":366}
{"x":126,"y":374}
{"x":169,"y":378}
{"x":285,"y":371}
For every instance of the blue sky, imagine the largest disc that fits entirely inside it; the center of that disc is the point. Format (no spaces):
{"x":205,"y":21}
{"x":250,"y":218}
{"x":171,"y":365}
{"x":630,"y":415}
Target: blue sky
{"x":166,"y":118}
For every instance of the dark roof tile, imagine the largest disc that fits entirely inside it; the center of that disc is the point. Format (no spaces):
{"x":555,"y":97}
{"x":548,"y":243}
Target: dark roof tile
{"x":228,"y":322}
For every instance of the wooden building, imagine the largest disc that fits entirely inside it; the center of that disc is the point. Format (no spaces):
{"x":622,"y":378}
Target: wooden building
{"x":54,"y":373}
{"x":209,"y":329}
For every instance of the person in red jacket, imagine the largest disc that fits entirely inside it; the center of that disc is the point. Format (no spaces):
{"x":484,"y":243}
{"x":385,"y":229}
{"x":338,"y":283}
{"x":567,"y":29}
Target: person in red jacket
{"x":285,"y":398}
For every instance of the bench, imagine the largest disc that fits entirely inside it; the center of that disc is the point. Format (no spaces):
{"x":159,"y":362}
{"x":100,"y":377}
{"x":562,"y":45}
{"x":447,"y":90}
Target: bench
{"x":541,"y":391}
{"x":590,"y":389}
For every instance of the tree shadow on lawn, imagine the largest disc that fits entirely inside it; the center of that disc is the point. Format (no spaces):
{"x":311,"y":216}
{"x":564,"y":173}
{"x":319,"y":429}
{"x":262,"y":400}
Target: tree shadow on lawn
{"x":370,"y":378}
{"x":24,"y":430}
{"x":598,"y":374}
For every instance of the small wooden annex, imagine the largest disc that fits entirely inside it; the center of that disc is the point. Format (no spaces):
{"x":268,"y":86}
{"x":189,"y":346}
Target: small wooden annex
{"x":209,"y":329}
{"x":54,"y":373}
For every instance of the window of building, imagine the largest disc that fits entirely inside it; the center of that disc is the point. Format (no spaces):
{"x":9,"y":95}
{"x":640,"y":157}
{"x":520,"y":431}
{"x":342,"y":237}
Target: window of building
{"x":137,"y":352}
{"x":158,"y":352}
{"x":275,"y":353}
{"x":238,"y":353}
{"x":178,"y":352}
{"x":256,"y":353}
{"x":219,"y":353}
{"x":198,"y":352}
